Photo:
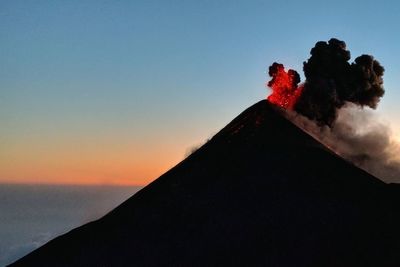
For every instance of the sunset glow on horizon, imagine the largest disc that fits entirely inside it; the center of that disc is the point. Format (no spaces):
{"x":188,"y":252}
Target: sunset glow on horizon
{"x":88,"y":162}
{"x":97,"y":92}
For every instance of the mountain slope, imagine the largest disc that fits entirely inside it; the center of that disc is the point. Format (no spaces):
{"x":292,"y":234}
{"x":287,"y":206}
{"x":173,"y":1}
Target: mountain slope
{"x":260,"y":192}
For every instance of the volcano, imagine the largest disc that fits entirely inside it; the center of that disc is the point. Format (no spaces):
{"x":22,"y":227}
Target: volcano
{"x":261,"y":192}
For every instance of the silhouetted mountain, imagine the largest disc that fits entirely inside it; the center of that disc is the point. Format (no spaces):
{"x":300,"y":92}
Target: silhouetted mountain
{"x":260,"y":193}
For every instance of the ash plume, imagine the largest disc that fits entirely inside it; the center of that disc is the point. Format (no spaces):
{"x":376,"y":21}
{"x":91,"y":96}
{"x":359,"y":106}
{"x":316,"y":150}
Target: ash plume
{"x":330,"y":105}
{"x":331,"y":81}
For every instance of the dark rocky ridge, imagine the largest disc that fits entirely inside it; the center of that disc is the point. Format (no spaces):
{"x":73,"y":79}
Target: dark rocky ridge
{"x":260,"y":193}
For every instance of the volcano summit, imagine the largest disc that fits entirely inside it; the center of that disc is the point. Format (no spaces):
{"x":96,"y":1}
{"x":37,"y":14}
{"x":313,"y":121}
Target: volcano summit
{"x":261,"y":192}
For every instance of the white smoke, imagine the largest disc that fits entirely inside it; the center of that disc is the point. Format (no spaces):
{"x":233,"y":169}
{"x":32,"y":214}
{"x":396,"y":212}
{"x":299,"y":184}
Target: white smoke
{"x":359,"y":136}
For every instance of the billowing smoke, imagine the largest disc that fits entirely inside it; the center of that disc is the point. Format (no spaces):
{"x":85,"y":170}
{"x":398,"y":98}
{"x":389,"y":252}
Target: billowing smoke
{"x":330,"y":106}
{"x":331,"y":81}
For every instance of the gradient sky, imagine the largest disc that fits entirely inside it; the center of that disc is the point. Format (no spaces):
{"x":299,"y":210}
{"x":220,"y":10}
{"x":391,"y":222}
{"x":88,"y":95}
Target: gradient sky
{"x":117,"y":92}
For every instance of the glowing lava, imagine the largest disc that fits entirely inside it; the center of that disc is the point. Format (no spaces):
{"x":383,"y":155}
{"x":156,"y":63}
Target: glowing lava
{"x":285,"y":91}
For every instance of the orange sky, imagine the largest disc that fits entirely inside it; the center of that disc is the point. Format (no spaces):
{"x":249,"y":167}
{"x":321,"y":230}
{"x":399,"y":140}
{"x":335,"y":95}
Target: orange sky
{"x":109,"y":160}
{"x":95,"y":95}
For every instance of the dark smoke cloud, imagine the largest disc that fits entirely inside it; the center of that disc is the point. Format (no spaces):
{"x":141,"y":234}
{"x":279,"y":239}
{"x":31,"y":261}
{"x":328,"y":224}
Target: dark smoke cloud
{"x":331,"y":108}
{"x":331,"y":81}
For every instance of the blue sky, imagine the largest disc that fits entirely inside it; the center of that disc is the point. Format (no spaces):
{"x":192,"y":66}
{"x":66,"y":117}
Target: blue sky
{"x":124,"y":81}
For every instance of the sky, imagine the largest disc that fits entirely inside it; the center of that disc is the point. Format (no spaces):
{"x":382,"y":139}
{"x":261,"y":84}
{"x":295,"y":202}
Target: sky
{"x":118,"y":92}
